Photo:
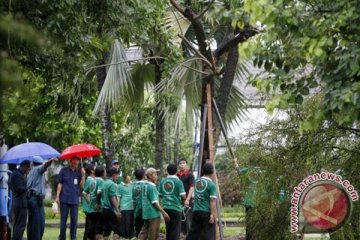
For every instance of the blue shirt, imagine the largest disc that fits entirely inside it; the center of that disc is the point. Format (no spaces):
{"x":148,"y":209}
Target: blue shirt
{"x":36,"y":179}
{"x":70,"y":180}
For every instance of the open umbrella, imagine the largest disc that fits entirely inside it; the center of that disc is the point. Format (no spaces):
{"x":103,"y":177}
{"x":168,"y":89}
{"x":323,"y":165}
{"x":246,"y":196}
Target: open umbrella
{"x":28,"y":151}
{"x":80,"y":150}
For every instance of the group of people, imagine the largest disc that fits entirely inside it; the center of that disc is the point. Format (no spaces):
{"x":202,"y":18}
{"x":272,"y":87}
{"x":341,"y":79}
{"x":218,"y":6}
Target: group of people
{"x":28,"y":191}
{"x":118,"y":206}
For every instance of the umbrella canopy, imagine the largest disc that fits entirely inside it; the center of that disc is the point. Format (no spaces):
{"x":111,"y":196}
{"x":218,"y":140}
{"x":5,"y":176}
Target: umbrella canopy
{"x":29,"y":151}
{"x":80,"y":150}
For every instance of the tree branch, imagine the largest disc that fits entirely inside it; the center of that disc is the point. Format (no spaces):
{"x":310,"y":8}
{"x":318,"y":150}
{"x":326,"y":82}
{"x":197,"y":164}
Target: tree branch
{"x":126,"y":61}
{"x":242,"y":36}
{"x":177,"y":6}
{"x":205,"y":10}
{"x":196,"y":51}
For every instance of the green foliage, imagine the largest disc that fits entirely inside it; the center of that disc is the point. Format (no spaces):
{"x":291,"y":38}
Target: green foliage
{"x":309,"y":47}
{"x":286,"y":157}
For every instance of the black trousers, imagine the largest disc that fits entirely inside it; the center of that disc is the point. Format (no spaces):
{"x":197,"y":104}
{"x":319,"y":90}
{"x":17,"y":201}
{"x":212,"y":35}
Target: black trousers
{"x":111,"y":223}
{"x":200,"y":223}
{"x":127,"y":224}
{"x":139,"y":222}
{"x":99,"y":223}
{"x":90,"y":222}
{"x":19,"y":221}
{"x":173,"y":227}
{"x":186,"y":220}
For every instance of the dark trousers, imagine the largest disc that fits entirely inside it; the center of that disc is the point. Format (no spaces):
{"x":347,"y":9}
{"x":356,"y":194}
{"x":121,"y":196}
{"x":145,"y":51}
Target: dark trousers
{"x":127,"y":224}
{"x":111,"y":222}
{"x":186,"y":220}
{"x":90,"y":222}
{"x":173,"y":226}
{"x":36,"y":222}
{"x":139,"y":222}
{"x":64,"y":211}
{"x":20,"y":214}
{"x":200,"y":223}
{"x":99,"y":223}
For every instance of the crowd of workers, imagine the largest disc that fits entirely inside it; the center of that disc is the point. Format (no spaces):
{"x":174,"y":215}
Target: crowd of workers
{"x":115,"y":205}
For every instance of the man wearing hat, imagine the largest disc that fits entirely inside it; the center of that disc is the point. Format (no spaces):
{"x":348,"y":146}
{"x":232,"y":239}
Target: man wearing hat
{"x":19,"y":203}
{"x":151,"y":210}
{"x":36,"y":194}
{"x":115,"y":164}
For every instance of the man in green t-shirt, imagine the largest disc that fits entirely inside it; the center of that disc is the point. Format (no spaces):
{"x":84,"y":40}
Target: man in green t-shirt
{"x":95,"y":199}
{"x":151,"y":210}
{"x":204,"y":212}
{"x":136,"y":197}
{"x":171,"y":190}
{"x":88,"y":209}
{"x":110,"y":205}
{"x":126,"y":208}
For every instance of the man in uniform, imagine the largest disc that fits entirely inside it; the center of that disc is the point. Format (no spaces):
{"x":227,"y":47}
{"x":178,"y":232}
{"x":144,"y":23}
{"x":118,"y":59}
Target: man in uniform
{"x":204,"y":212}
{"x":110,"y":205}
{"x":136,"y":197}
{"x":172,"y":192}
{"x":151,"y":210}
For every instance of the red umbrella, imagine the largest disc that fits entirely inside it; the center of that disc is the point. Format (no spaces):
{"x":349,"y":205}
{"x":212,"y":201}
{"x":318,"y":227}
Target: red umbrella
{"x":80,"y":150}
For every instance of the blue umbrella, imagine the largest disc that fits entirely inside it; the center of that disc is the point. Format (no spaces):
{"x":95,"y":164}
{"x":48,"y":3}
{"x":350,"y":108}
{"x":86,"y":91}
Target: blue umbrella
{"x":29,"y":151}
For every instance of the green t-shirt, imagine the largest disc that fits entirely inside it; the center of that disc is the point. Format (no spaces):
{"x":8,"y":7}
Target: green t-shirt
{"x":119,"y":180}
{"x":125,"y":195}
{"x":204,"y":189}
{"x":171,"y":189}
{"x":108,"y":189}
{"x":89,"y":187}
{"x":93,"y":195}
{"x":136,"y":197}
{"x":149,"y":195}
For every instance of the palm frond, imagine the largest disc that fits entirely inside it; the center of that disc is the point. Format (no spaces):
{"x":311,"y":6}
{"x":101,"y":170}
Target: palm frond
{"x":143,"y":75}
{"x":118,"y":82}
{"x":185,"y":83}
{"x":177,"y":23}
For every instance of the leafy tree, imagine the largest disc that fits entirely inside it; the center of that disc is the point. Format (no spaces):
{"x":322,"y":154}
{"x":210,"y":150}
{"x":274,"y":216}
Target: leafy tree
{"x":286,"y":157}
{"x":309,"y":47}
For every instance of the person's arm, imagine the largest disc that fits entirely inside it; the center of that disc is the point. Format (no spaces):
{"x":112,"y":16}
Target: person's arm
{"x":59,"y":186}
{"x":161,"y":210}
{"x":115,"y":205}
{"x":82,"y":181}
{"x":212,"y":210}
{"x":47,"y":164}
{"x":191,"y":189}
{"x":213,"y":196}
{"x":58,"y":191}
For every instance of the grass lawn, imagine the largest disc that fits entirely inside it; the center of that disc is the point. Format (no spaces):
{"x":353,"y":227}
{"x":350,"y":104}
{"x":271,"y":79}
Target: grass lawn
{"x":53,"y":233}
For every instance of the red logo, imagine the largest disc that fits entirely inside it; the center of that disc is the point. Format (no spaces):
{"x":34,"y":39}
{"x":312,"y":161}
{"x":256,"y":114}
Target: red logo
{"x":326,"y":207}
{"x":200,"y":184}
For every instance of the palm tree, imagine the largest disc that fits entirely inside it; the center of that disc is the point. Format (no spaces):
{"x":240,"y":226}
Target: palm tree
{"x":199,"y":33}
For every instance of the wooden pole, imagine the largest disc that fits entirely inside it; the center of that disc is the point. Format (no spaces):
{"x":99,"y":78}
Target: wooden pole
{"x":219,"y":232}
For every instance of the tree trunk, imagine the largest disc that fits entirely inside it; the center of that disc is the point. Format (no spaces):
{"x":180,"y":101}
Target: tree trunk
{"x":105,"y":119}
{"x":222,"y":98}
{"x":159,"y":124}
